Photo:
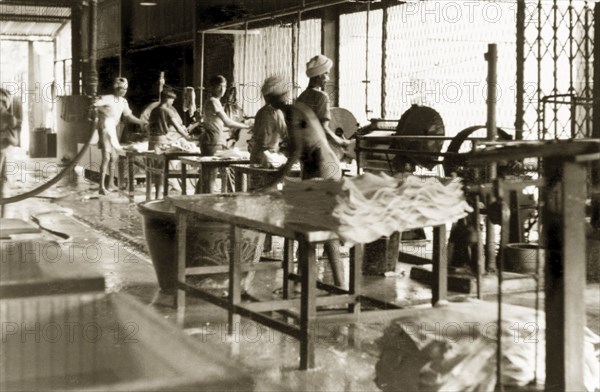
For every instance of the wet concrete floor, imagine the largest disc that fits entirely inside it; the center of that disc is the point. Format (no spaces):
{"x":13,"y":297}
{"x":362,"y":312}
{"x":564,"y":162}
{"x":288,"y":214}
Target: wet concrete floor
{"x":106,"y":232}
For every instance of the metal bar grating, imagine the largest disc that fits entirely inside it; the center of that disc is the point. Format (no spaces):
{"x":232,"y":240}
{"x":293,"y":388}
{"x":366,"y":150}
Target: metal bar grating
{"x":268,"y":53}
{"x":558,"y":69}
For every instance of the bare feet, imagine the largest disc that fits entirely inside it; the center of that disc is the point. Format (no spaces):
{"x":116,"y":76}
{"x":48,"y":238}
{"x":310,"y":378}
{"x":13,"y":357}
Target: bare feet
{"x":103,"y":191}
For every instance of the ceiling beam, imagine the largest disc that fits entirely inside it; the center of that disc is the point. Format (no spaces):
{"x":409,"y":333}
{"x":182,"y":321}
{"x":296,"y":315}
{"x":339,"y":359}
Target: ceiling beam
{"x":42,"y":3}
{"x":25,"y":37}
{"x":34,"y":18}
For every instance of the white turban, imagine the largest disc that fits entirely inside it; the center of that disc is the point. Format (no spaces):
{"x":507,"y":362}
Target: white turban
{"x":121,"y":83}
{"x":275,"y":86}
{"x":318,"y":65}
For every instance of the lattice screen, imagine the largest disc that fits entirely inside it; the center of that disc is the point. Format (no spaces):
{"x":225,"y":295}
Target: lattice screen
{"x":310,"y":45}
{"x":435,"y":57}
{"x":364,"y":102}
{"x":269,"y":53}
{"x":558,"y":62}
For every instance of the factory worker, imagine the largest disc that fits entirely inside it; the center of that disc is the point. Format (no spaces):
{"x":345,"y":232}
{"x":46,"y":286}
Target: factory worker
{"x":110,"y":110}
{"x":164,"y":127}
{"x":216,"y":121}
{"x":8,"y":134}
{"x":317,"y":69}
{"x":163,"y":119}
{"x":269,"y":123}
{"x":309,"y":146}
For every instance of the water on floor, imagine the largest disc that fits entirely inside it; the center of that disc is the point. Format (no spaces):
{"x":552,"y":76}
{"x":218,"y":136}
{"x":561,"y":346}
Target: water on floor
{"x":106,"y":233}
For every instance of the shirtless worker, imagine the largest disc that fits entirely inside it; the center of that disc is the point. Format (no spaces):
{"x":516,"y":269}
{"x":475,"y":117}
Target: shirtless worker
{"x":111,"y":108}
{"x":308,"y":145}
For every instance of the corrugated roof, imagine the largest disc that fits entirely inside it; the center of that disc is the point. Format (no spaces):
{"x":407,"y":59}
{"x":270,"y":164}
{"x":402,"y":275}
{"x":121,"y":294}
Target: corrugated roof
{"x":28,"y":20}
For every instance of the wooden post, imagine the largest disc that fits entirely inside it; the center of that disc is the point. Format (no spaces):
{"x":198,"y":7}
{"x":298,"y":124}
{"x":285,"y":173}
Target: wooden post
{"x":126,"y":17}
{"x":492,"y":134}
{"x":92,"y":76}
{"x":182,"y":224}
{"x":308,"y":303}
{"x":330,"y":48}
{"x":563,"y":218}
{"x":439,"y":281}
{"x":235,"y":278}
{"x":520,"y":87}
{"x":596,"y":121}
{"x":76,"y":55}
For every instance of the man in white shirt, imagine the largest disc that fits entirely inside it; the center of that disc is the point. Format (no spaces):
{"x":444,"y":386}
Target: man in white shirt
{"x":110,"y":110}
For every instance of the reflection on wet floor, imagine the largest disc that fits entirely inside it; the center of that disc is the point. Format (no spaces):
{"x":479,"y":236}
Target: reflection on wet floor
{"x":346,"y":355}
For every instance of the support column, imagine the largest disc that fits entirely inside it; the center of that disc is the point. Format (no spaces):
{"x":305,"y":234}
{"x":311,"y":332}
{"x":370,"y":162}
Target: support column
{"x":596,"y":122}
{"x":330,"y":48}
{"x":76,"y":14}
{"x":563,"y":218}
{"x":91,"y":85}
{"x":520,"y":87}
{"x":126,"y":37}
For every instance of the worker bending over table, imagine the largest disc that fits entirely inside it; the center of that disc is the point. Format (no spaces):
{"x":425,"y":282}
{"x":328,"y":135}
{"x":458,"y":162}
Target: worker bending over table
{"x":164,"y":127}
{"x":269,"y":130}
{"x":111,"y":108}
{"x":162,"y":120}
{"x":308,"y":145}
{"x":214,"y":137}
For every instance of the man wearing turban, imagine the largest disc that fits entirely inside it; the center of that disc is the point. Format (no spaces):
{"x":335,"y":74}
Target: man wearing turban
{"x":317,"y":69}
{"x":308,"y":145}
{"x":269,"y":123}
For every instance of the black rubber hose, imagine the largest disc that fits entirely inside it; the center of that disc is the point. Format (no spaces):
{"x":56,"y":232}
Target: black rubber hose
{"x":58,"y":177}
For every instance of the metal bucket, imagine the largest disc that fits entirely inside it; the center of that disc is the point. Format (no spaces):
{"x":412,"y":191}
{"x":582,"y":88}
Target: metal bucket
{"x":208,"y":243}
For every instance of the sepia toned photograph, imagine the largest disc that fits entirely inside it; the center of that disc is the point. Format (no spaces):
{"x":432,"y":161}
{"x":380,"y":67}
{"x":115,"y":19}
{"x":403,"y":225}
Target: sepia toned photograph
{"x":300,"y":195}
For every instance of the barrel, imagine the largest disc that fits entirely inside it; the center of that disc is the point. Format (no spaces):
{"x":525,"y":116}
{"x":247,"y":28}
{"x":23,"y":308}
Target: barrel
{"x":208,"y":244}
{"x":523,"y":258}
{"x":38,"y":145}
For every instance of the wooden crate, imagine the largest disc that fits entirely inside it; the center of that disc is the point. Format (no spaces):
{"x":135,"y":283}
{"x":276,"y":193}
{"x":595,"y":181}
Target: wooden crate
{"x":103,"y":342}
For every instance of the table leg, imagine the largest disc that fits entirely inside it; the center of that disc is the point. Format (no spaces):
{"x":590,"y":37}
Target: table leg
{"x":224,"y":179}
{"x":563,"y":236}
{"x":205,"y":182}
{"x":182,"y":222}
{"x":120,"y":171}
{"x":288,"y":265}
{"x":200,"y":180}
{"x":130,"y":177}
{"x":439,"y":286}
{"x":308,"y":304}
{"x":166,"y":177}
{"x":148,"y":178}
{"x":183,"y":178}
{"x":241,"y":184}
{"x":235,"y":290}
{"x":356,"y":260}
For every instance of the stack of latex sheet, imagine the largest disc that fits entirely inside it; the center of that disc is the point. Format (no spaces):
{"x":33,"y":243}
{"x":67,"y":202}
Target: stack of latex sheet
{"x":364,"y":208}
{"x":233,"y":153}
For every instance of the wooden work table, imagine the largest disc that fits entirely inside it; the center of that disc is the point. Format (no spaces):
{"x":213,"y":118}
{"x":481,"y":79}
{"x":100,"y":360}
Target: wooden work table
{"x":263,"y":174}
{"x":204,"y":165}
{"x":127,"y":160}
{"x":268,"y":213}
{"x":158,"y":164}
